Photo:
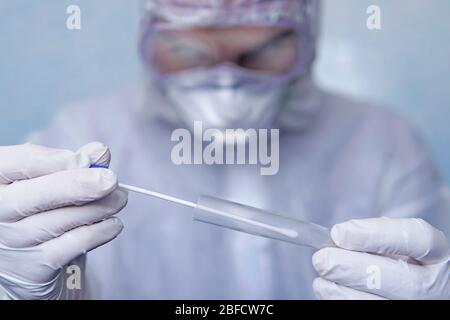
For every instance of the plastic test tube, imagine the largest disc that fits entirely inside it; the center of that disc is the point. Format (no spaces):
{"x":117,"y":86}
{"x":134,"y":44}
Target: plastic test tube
{"x":259,"y":222}
{"x":250,"y":220}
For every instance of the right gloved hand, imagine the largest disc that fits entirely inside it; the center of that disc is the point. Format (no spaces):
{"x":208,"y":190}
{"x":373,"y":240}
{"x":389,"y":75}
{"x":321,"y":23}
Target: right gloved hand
{"x":53,"y":209}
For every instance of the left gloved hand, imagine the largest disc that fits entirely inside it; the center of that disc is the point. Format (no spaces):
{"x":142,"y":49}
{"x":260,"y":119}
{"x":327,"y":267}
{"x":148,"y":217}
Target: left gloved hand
{"x":384,"y":258}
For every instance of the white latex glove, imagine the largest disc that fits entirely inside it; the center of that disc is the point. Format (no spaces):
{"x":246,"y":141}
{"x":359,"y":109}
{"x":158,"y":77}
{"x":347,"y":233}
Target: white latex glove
{"x":53,"y":209}
{"x":384,"y":258}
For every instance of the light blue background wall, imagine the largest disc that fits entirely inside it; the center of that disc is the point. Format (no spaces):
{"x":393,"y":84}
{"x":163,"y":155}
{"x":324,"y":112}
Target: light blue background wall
{"x":44,"y":66}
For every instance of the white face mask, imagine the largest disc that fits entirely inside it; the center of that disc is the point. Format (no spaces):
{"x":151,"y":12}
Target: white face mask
{"x":226,"y":97}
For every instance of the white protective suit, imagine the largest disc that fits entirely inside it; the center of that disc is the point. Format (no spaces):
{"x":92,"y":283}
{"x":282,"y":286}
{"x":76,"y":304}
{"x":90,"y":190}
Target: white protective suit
{"x":340,"y":159}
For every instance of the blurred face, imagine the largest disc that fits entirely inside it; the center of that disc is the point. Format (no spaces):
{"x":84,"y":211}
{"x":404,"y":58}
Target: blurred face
{"x":266,"y":49}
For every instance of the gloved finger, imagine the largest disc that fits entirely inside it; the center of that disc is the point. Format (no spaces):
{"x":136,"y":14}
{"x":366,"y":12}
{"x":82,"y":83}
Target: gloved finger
{"x":97,"y":152}
{"x":383,"y":276}
{"x":408,"y":237}
{"x":48,"y":225}
{"x":30,"y":161}
{"x":327,"y":290}
{"x":60,"y":251}
{"x":61,"y":189}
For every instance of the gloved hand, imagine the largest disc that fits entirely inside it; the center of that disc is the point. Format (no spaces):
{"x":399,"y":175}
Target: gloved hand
{"x":384,"y":258}
{"x":53,"y":209}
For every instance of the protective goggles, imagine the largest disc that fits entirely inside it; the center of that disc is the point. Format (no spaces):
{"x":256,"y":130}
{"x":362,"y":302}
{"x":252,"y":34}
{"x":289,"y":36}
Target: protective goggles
{"x":279,"y":42}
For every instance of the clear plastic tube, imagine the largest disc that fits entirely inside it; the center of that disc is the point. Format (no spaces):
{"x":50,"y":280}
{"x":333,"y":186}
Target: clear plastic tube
{"x":255,"y":221}
{"x":248,"y":219}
